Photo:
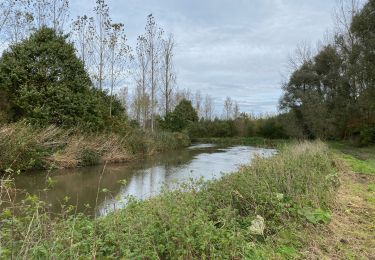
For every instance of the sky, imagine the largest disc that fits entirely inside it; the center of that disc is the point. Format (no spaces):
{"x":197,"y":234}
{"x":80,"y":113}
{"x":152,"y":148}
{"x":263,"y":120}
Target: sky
{"x":236,"y":48}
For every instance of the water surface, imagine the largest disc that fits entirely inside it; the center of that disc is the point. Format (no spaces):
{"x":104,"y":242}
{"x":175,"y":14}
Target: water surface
{"x":140,"y":179}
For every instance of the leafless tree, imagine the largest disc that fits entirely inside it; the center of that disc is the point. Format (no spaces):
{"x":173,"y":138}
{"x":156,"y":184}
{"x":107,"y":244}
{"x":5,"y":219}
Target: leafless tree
{"x":83,"y":36}
{"x":153,"y":39}
{"x":228,"y":108}
{"x":59,"y":14}
{"x":198,"y":103}
{"x":236,"y":110}
{"x":208,"y":107}
{"x":21,"y":17}
{"x":302,"y":54}
{"x":142,"y":64}
{"x":119,"y":55}
{"x":101,"y":33}
{"x":123,"y":96}
{"x":168,"y":74}
{"x":6,"y":8}
{"x":344,"y":12}
{"x":137,"y":104}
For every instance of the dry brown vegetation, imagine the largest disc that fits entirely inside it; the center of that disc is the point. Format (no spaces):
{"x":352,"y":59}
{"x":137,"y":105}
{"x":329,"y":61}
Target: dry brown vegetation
{"x":28,"y":147}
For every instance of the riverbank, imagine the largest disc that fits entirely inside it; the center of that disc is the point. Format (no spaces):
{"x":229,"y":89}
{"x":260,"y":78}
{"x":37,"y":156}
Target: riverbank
{"x":25,"y":147}
{"x":268,"y":210}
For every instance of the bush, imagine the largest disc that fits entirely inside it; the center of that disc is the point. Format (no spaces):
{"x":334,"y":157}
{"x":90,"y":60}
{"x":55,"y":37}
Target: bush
{"x":367,"y":136}
{"x":44,"y":82}
{"x":269,"y":128}
{"x":89,"y":157}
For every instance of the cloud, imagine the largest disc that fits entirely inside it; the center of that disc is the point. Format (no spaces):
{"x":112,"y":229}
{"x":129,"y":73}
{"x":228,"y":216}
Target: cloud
{"x":229,"y":48}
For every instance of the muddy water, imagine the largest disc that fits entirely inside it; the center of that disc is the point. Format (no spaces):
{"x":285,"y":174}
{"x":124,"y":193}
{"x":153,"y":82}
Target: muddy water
{"x":139,"y":179}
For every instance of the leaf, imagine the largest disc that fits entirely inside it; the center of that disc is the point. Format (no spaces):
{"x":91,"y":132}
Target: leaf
{"x":316,"y":216}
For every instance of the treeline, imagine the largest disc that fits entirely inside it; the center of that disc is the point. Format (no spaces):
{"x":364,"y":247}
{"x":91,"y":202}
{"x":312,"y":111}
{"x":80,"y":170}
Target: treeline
{"x":332,"y":95}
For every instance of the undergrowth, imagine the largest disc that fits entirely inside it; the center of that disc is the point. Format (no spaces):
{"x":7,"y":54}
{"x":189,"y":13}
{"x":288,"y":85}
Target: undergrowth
{"x":255,"y":213}
{"x":25,"y":147}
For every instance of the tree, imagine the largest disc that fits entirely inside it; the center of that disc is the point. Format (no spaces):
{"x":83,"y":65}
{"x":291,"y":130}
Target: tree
{"x":168,"y":74}
{"x":26,"y":16}
{"x":100,"y":40}
{"x":183,"y":115}
{"x":228,"y":107}
{"x":363,"y":28}
{"x":153,"y":40}
{"x":6,"y":7}
{"x":208,"y":109}
{"x":119,"y":55}
{"x":46,"y":83}
{"x":83,"y":33}
{"x":141,"y":98}
{"x":198,"y":103}
{"x":236,"y":110}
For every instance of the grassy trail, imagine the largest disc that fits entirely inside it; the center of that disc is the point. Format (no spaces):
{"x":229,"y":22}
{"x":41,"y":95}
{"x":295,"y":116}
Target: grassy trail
{"x":351,"y":233}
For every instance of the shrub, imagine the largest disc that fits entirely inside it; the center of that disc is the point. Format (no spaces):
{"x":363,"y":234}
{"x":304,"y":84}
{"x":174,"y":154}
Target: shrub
{"x":46,"y":83}
{"x":367,"y":136}
{"x":89,"y":157}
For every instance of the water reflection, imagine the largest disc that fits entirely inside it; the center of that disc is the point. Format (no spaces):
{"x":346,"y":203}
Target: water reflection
{"x":143,"y":178}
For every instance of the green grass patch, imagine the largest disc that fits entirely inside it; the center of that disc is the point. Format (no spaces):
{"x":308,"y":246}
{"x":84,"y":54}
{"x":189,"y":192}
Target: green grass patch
{"x":360,"y":166}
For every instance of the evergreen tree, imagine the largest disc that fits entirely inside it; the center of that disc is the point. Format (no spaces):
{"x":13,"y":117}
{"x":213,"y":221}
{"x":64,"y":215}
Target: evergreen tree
{"x":44,"y":82}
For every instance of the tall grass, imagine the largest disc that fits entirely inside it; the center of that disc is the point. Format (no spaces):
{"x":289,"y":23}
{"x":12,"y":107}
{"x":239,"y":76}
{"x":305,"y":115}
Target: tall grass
{"x":212,"y":220}
{"x":25,"y":147}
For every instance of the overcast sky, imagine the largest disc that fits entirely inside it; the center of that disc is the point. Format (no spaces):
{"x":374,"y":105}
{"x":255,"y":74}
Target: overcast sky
{"x":236,"y":48}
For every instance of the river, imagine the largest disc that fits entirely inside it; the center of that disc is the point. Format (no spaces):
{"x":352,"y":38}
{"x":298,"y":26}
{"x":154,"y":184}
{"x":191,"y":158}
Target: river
{"x":140,"y":179}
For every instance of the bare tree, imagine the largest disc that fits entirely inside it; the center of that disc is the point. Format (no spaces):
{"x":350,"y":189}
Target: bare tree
{"x":142,"y":64}
{"x":236,"y":110}
{"x":101,"y":32}
{"x":168,"y":74}
{"x":18,"y":21}
{"x":228,"y":106}
{"x":83,"y":36}
{"x":123,"y":96}
{"x":153,"y":39}
{"x":21,"y":17}
{"x":6,"y":8}
{"x":59,"y":11}
{"x":198,"y":103}
{"x":137,"y":104}
{"x":208,"y":108}
{"x":344,"y":12}
{"x":119,"y":55}
{"x":302,"y":54}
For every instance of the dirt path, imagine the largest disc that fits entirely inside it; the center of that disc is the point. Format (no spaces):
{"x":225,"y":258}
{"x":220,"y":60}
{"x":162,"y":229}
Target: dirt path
{"x":351,"y":233}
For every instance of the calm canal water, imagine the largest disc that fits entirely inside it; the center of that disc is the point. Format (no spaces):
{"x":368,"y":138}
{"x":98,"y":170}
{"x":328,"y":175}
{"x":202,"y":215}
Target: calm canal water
{"x":139,"y":179}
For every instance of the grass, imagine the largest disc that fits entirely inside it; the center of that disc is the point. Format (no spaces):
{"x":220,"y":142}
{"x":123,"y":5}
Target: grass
{"x":259,"y":212}
{"x":360,"y":159}
{"x":350,"y":234}
{"x":360,"y":166}
{"x":28,"y":147}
